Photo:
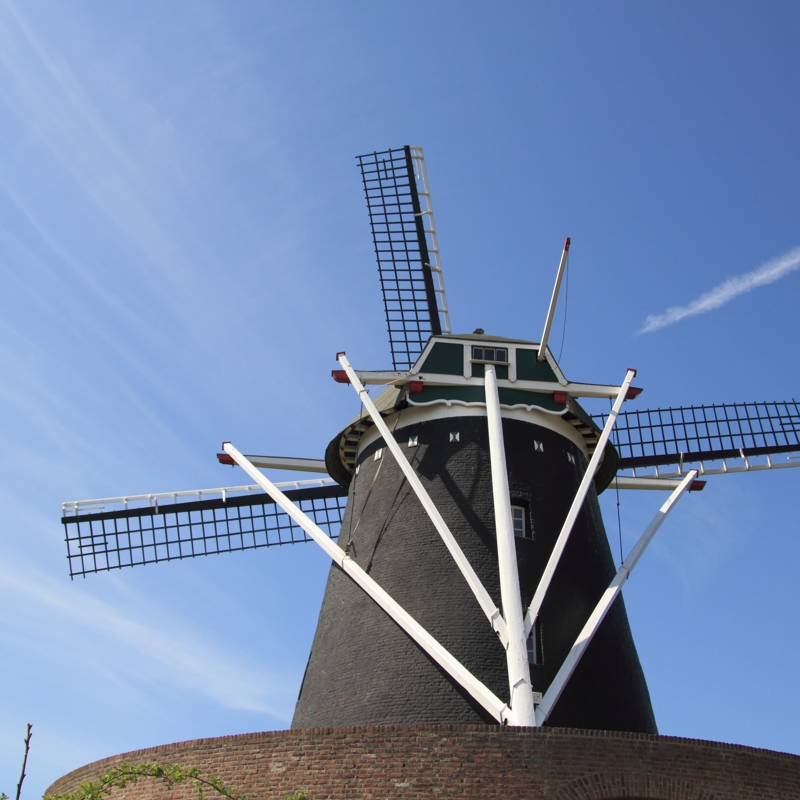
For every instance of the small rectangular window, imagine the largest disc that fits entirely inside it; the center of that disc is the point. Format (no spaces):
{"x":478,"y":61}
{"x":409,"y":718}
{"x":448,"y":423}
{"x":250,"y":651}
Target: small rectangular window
{"x":518,"y":520}
{"x":496,"y":355}
{"x":535,"y":646}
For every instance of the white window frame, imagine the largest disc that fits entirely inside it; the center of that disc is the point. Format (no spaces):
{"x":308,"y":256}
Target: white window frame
{"x":519,"y":517}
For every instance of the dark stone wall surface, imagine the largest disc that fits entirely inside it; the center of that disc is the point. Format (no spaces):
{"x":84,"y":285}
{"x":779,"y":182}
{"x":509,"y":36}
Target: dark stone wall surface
{"x":364,"y":670}
{"x":469,"y":762}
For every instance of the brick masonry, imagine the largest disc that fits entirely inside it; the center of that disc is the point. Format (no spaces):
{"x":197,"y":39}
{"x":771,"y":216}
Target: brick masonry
{"x":469,"y":762}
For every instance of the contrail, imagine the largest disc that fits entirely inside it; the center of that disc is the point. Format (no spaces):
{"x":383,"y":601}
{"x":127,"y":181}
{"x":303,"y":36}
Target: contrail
{"x":769,"y":272}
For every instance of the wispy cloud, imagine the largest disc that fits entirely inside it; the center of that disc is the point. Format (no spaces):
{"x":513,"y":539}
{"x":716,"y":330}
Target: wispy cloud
{"x":769,"y":272}
{"x":164,"y":653}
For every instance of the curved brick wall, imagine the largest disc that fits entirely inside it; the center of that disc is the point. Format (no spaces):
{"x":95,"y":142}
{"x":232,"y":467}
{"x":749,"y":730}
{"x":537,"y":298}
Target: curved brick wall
{"x":467,"y":761}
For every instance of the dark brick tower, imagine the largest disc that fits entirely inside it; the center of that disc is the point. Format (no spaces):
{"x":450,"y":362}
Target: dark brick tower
{"x":363,"y":669}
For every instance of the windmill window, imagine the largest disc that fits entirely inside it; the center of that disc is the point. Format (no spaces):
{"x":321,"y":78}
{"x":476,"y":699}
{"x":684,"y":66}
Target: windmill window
{"x":535,"y":646}
{"x":492,"y":355}
{"x":455,"y":436}
{"x":520,"y":522}
{"x":570,"y":458}
{"x":378,"y":453}
{"x":538,"y":447}
{"x":413,"y":441}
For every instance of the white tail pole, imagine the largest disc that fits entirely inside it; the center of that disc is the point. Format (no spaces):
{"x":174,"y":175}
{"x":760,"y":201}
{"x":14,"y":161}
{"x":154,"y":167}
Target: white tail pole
{"x":553,"y":300}
{"x":604,"y":604}
{"x":479,"y":691}
{"x":577,"y":503}
{"x":519,"y":675}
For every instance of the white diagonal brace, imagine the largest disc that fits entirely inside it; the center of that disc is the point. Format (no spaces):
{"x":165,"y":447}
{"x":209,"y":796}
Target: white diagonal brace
{"x":577,"y":503}
{"x":604,"y":604}
{"x":479,"y":691}
{"x":487,"y":604}
{"x":519,"y":674}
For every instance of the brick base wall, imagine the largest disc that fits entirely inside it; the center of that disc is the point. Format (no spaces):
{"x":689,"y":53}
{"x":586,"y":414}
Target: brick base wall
{"x":465,"y":761}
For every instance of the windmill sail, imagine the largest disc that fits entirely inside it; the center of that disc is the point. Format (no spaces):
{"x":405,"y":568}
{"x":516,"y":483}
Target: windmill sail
{"x":692,"y":434}
{"x":99,"y":539}
{"x":404,"y":235}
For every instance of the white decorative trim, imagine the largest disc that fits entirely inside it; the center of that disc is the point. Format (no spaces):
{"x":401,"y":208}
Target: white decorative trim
{"x":451,"y":402}
{"x":432,"y":411}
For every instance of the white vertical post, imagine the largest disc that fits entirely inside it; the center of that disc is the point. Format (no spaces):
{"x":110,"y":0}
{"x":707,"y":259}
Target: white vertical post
{"x":577,"y":503}
{"x":606,"y":601}
{"x":553,"y":300}
{"x":478,"y":690}
{"x":519,"y":676}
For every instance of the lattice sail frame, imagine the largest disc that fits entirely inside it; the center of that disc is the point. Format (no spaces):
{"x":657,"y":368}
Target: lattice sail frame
{"x":697,"y":434}
{"x":183,"y":527}
{"x":407,"y":250}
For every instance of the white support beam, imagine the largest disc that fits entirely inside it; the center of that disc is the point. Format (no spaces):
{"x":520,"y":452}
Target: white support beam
{"x":556,"y":688}
{"x":374,"y":377}
{"x":282,"y":462}
{"x":479,"y":691}
{"x":553,"y":300}
{"x":519,"y":675}
{"x":487,"y":604}
{"x":381,"y":378}
{"x":628,"y":482}
{"x":577,"y":503}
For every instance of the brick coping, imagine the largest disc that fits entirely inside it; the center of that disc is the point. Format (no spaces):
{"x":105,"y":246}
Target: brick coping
{"x":492,"y":730}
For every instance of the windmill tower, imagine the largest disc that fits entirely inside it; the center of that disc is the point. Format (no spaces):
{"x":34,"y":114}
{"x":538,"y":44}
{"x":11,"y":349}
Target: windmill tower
{"x":472,"y":579}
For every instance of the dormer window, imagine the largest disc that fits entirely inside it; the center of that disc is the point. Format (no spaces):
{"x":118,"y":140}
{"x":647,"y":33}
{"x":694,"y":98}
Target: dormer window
{"x":490,"y":355}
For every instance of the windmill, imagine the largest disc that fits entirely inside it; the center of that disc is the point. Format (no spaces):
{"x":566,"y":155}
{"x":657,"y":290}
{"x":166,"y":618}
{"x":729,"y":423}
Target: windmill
{"x":472,"y":579}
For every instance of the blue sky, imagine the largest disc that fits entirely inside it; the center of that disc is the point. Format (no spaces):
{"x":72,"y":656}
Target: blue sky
{"x":184,"y":247}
